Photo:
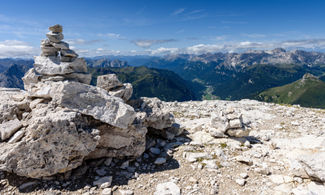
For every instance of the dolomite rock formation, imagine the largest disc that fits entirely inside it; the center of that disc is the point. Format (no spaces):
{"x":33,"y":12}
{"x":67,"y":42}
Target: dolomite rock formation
{"x":60,"y":119}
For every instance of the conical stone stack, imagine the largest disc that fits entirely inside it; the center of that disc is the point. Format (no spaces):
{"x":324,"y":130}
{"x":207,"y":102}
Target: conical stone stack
{"x":57,"y":62}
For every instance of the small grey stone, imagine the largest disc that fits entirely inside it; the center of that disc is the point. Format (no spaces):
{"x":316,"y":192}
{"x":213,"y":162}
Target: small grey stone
{"x":105,"y":185}
{"x":27,"y":185}
{"x":17,"y":136}
{"x":247,"y":144}
{"x":107,"y":191}
{"x":244,"y":175}
{"x":68,"y":53}
{"x":56,"y":28}
{"x":126,"y":192}
{"x":241,"y":182}
{"x":155,"y":151}
{"x":102,"y":180}
{"x":101,"y":172}
{"x":125,"y":165}
{"x":67,"y":59}
{"x":108,"y":82}
{"x":54,"y":37}
{"x":168,"y":188}
{"x":145,"y":155}
{"x":160,"y":161}
{"x":61,"y":45}
{"x":108,"y":161}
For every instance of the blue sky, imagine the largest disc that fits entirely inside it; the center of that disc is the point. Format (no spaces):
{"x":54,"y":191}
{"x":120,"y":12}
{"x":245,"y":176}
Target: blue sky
{"x":125,"y":27}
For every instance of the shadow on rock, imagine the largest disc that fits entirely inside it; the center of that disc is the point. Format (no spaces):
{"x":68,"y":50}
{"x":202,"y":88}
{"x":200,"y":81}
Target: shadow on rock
{"x":103,"y":172}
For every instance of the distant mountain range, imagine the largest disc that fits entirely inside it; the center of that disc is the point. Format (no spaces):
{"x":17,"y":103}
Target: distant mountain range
{"x":242,"y":75}
{"x":11,"y":77}
{"x":230,"y":76}
{"x":254,"y":57}
{"x":150,"y":82}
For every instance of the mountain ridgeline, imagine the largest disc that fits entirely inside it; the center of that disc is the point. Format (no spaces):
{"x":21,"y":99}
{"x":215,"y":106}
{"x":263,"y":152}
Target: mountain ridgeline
{"x":309,"y":91}
{"x":236,"y":76}
{"x":149,"y":82}
{"x":231,"y":76}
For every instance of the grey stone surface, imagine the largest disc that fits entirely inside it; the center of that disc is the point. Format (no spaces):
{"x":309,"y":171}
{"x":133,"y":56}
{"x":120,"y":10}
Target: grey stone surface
{"x":56,"y":28}
{"x":52,"y":150}
{"x":108,"y":82}
{"x":53,"y":66}
{"x":69,"y":53}
{"x":168,"y":188}
{"x":54,"y":37}
{"x":61,"y":45}
{"x":7,"y":129}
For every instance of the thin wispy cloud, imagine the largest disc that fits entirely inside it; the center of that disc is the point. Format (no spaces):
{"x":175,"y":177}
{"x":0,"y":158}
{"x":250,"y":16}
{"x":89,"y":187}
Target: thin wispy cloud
{"x":178,"y":11}
{"x":233,"y":22}
{"x":112,"y":36}
{"x":253,"y":35}
{"x":83,"y":41}
{"x":220,"y":37}
{"x":187,"y":14}
{"x":146,"y":43}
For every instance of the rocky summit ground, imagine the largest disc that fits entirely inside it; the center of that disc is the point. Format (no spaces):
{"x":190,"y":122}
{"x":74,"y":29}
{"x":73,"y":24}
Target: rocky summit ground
{"x":282,"y":153}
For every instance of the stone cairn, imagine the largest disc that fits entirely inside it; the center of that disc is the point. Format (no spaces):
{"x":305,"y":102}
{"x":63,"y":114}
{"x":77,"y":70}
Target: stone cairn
{"x":53,"y":46}
{"x":60,"y":120}
{"x":227,"y":123}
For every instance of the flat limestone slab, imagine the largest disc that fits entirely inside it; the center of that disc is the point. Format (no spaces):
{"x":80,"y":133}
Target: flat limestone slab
{"x":53,"y":66}
{"x":7,"y":129}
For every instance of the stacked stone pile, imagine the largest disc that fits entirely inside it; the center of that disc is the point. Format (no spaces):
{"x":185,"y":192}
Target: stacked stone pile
{"x":227,"y":123}
{"x":60,"y":119}
{"x":53,"y":46}
{"x":56,"y":63}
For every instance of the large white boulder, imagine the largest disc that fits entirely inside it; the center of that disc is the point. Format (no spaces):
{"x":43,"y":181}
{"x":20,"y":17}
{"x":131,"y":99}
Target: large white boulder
{"x":93,"y":101}
{"x":53,"y":66}
{"x":55,"y":141}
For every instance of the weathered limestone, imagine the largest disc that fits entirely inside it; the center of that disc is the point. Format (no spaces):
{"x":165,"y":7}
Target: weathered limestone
{"x":53,"y":66}
{"x":93,"y":101}
{"x":60,"y":119}
{"x":168,"y":188}
{"x":54,"y":143}
{"x":314,"y":165}
{"x":124,"y":92}
{"x":56,"y":28}
{"x":61,"y":45}
{"x":54,"y":36}
{"x":227,"y":123}
{"x":108,"y":82}
{"x":7,"y":129}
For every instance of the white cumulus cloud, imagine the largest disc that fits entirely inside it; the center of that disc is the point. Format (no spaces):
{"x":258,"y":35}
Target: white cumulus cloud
{"x":17,"y":49}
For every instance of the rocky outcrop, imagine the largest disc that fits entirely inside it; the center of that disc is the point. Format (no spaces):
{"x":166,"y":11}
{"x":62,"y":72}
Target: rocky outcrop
{"x":114,"y":87}
{"x":60,"y":119}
